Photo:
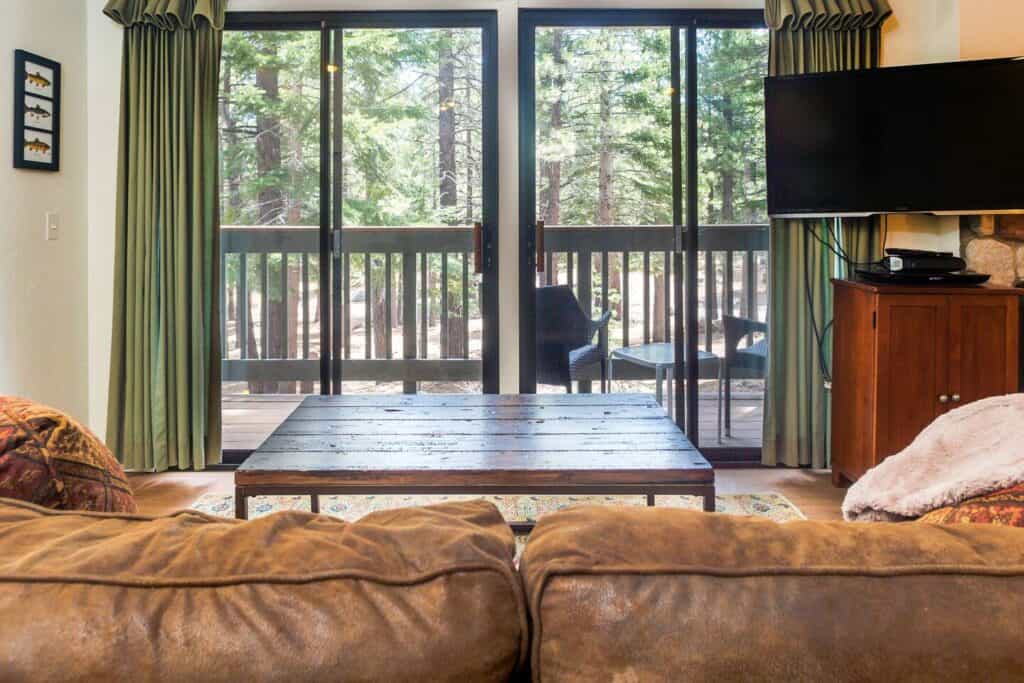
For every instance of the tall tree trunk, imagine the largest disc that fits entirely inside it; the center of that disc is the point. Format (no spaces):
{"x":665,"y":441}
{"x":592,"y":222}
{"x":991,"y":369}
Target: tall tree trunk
{"x":233,"y":182}
{"x":605,"y":208}
{"x":252,"y":350}
{"x":471,"y":216}
{"x":293,"y":217}
{"x":448,"y":191}
{"x":728,"y":177}
{"x":270,"y":197}
{"x":268,"y":144}
{"x":446,"y":136}
{"x":233,"y":179}
{"x":551,"y":199}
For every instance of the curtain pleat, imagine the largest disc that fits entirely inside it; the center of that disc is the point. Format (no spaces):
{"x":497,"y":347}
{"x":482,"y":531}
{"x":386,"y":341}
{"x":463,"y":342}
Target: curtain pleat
{"x":809,"y":36}
{"x":164,"y":404}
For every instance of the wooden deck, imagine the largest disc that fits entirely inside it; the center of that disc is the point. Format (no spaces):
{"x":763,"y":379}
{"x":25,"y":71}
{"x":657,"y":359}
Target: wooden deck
{"x":250,"y":420}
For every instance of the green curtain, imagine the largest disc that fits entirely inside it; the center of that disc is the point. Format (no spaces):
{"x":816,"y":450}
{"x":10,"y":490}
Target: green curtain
{"x":809,"y":36}
{"x":164,"y":405}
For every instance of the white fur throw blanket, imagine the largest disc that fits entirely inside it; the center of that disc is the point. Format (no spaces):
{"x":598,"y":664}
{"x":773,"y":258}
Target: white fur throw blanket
{"x":968,"y":452}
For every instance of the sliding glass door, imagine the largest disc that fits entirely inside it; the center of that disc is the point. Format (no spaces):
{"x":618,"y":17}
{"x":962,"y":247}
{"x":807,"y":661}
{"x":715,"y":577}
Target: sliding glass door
{"x":412,"y":193}
{"x":358,"y":209}
{"x":642,"y":191}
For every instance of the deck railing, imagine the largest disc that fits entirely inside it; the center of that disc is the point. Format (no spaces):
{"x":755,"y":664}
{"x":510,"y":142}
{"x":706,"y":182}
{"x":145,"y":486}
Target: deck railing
{"x":416,"y":281}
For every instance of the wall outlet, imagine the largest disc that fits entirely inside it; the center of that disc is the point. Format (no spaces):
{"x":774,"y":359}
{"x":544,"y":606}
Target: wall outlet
{"x":52,"y":225}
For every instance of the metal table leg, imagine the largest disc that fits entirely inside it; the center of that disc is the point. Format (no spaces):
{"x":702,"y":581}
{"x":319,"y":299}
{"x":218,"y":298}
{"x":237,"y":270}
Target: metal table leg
{"x":659,"y":377}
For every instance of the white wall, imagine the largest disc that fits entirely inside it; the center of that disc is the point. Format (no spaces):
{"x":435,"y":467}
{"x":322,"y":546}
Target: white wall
{"x":921,"y":31}
{"x":991,"y":28}
{"x":43,"y":299}
{"x":104,"y":39}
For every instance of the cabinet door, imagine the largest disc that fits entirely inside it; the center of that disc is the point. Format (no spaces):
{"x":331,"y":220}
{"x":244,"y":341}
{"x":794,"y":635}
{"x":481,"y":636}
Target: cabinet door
{"x":983,"y":342}
{"x":912,"y":367}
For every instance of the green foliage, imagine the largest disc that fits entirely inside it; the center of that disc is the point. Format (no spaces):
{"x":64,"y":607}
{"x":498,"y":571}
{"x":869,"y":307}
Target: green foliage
{"x":611,"y":84}
{"x":603,"y":123}
{"x":732,"y":66}
{"x":291,"y":119}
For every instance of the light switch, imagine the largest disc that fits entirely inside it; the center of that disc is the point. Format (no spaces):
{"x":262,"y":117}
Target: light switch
{"x":52,"y":225}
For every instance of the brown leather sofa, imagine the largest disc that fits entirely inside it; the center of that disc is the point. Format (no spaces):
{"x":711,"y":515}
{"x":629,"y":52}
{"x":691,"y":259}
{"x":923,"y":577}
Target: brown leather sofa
{"x":432,"y":594}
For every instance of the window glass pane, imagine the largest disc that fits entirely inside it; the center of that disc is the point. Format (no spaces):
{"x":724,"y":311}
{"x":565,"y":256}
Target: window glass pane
{"x":269,"y":111}
{"x":270,"y":128}
{"x":731,"y":66}
{"x":411,"y":185}
{"x":412,"y":116}
{"x":732,"y":273}
{"x":604,"y":126}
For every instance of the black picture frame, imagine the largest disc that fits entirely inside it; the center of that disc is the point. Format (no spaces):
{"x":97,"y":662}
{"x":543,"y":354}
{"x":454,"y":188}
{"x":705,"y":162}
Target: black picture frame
{"x":37,"y":95}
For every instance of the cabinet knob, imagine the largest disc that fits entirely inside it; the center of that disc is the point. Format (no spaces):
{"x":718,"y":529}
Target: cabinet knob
{"x":943,"y":399}
{"x":956,"y":398}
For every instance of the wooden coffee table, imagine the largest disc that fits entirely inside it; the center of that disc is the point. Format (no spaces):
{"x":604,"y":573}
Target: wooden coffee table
{"x":476,"y":444}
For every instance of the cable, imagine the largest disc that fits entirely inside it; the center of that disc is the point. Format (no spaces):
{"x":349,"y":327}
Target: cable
{"x":834,"y":246}
{"x":818,"y":335}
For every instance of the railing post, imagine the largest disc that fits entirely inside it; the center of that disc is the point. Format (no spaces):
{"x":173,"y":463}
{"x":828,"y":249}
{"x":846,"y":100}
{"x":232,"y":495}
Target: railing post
{"x":388,"y":323}
{"x":625,"y":298}
{"x":305,"y":305}
{"x":409,"y":313}
{"x":465,"y":304}
{"x":243,"y":305}
{"x":223,"y":305}
{"x":424,"y":306}
{"x":751,"y":290}
{"x":647,"y":297}
{"x":709,"y":296}
{"x":444,"y":304}
{"x":264,"y":308}
{"x":283,"y":327}
{"x":727,"y":304}
{"x":586,"y":299}
{"x":367,"y":306}
{"x":667,"y":264}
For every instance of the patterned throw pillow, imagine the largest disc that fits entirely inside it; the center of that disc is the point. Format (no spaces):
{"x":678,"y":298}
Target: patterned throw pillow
{"x":1004,"y":507}
{"x":51,"y":460}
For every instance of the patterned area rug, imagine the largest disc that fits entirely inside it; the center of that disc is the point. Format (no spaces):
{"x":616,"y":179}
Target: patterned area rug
{"x":529,"y":508}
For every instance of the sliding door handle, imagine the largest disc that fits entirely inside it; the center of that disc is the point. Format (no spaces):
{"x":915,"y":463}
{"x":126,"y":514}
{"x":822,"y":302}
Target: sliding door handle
{"x":478,"y":247}
{"x":540,"y":246}
{"x":336,"y":243}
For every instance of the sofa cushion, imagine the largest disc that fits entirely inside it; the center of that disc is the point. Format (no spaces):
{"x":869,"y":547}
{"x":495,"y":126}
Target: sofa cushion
{"x":1004,"y":507}
{"x":659,"y":594}
{"x":49,"y":459}
{"x":401,"y":595}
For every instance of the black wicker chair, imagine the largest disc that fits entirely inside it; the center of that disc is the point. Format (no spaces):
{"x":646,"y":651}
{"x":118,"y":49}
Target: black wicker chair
{"x":565,"y":335}
{"x":749,"y":362}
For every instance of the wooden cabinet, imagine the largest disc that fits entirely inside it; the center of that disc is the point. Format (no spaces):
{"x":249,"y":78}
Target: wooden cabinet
{"x":905,"y":355}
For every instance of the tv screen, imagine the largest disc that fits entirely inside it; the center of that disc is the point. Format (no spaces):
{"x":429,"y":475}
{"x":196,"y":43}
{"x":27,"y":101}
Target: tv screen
{"x":932,"y":138}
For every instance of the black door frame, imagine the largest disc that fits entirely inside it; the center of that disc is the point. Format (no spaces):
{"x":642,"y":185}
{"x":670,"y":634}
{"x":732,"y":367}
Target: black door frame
{"x":686,"y":227}
{"x":330,"y":239}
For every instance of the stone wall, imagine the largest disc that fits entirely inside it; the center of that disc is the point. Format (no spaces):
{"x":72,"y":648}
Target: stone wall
{"x":994,"y":245}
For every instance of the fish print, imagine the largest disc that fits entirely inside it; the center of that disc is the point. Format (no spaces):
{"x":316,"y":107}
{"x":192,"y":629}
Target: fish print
{"x":37,"y":146}
{"x":37,"y":79}
{"x":38,"y":112}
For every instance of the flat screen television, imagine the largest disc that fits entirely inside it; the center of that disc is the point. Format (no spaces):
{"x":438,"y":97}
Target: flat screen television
{"x":942,"y":138}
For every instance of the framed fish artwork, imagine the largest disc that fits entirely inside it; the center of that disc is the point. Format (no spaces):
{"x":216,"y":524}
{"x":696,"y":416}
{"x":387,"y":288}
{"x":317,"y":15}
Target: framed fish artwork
{"x":36,"y":112}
